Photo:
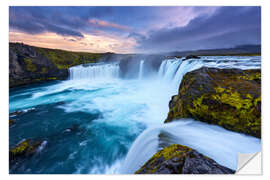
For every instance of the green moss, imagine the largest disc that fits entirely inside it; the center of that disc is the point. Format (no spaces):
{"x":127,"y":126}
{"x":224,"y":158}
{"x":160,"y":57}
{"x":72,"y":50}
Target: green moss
{"x":44,"y":70}
{"x":233,"y":98}
{"x":198,"y":106}
{"x":20,"y":148}
{"x":29,"y":65}
{"x":253,"y":76}
{"x":52,"y":78}
{"x":65,"y":59}
{"x":172,"y":151}
{"x":229,"y":98}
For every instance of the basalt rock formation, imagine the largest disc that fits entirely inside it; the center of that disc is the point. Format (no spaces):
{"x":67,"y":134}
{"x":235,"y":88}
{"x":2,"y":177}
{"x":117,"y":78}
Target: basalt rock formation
{"x":230,"y":98}
{"x":179,"y":159}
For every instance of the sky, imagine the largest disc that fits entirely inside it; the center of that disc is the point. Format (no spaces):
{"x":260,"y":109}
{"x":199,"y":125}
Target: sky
{"x":149,"y":29}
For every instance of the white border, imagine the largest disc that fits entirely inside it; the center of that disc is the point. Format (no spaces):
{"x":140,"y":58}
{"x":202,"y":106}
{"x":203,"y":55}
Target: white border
{"x":4,"y":77}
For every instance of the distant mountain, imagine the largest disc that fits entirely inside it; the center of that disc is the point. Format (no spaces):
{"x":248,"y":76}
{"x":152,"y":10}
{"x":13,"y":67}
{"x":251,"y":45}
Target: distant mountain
{"x":238,"y":50}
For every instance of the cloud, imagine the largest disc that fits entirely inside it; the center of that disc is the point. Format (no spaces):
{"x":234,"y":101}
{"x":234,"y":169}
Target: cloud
{"x":227,"y":27}
{"x":153,"y":29}
{"x":100,"y":23}
{"x":31,"y":21}
{"x":90,"y":43}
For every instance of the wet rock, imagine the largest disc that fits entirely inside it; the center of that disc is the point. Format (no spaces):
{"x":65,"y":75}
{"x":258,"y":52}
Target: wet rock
{"x":179,"y":159}
{"x":11,"y":122}
{"x":24,"y":149}
{"x":20,"y":112}
{"x":16,"y":113}
{"x":191,"y":57}
{"x":230,"y":98}
{"x":73,"y":128}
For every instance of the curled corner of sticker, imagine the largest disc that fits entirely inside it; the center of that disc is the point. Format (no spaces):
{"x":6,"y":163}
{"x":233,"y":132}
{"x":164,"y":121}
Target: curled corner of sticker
{"x":249,"y":163}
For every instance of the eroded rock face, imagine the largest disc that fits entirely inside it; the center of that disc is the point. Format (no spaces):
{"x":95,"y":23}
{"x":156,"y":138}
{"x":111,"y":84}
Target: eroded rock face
{"x":29,"y":64}
{"x":179,"y":159}
{"x":230,"y":98}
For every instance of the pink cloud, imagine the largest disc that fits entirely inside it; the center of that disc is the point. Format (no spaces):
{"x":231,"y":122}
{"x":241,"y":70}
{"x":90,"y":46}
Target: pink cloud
{"x":102,"y":23}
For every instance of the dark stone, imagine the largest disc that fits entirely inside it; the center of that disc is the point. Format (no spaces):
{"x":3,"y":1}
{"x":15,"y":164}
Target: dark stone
{"x":191,"y":57}
{"x":24,"y":149}
{"x":179,"y":159}
{"x":11,"y":122}
{"x":16,"y":113}
{"x":73,"y":128}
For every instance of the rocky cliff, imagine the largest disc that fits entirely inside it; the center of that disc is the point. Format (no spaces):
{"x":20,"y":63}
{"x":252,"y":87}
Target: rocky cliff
{"x":230,"y":98}
{"x":29,"y":64}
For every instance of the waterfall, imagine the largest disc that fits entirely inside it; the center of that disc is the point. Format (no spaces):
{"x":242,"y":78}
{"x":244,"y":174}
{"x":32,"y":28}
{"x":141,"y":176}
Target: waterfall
{"x":173,"y":70}
{"x":141,"y":69}
{"x":185,"y":67}
{"x":161,"y":70}
{"x":94,"y":71}
{"x":213,"y":141}
{"x":168,"y":68}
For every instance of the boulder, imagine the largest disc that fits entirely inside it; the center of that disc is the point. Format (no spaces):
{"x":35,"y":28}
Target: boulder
{"x":24,"y":149}
{"x":230,"y":98}
{"x":179,"y":159}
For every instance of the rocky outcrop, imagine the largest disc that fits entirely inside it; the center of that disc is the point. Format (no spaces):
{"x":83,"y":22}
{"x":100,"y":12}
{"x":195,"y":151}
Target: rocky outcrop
{"x":230,"y":98}
{"x":23,"y":149}
{"x":179,"y":159}
{"x":29,"y":64}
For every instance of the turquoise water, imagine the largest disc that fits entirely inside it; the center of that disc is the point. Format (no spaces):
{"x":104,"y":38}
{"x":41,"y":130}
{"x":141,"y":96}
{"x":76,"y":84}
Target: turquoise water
{"x":88,"y":127}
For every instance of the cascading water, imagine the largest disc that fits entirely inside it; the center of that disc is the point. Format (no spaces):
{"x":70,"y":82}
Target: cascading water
{"x":90,"y":122}
{"x":213,"y":141}
{"x":185,"y":67}
{"x":170,"y":69}
{"x":96,"y":71}
{"x":141,"y":69}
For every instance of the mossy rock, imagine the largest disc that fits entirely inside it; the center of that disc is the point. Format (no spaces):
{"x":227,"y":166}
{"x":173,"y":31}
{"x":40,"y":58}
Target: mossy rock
{"x":29,"y":64}
{"x":179,"y":159}
{"x":11,"y":122}
{"x":24,"y":149}
{"x":230,"y":98}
